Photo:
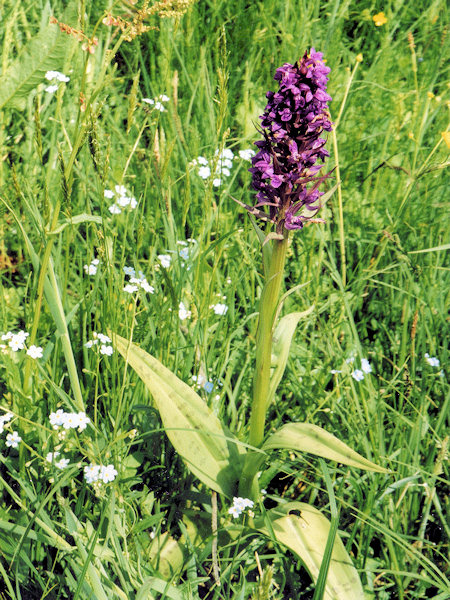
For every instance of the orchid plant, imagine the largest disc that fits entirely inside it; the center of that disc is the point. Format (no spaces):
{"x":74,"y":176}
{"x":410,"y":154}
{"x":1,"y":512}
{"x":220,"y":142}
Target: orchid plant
{"x":286,"y":177}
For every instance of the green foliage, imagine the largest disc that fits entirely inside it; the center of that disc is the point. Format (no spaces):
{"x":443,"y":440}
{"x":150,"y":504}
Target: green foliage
{"x":211,"y":452}
{"x":382,"y":295}
{"x":305,"y":532}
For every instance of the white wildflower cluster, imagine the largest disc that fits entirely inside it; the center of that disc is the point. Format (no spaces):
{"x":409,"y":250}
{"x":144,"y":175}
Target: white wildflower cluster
{"x":432,"y":360}
{"x":99,"y":473}
{"x":136,"y":283}
{"x":101,"y":342}
{"x":16,"y":342}
{"x":219,"y":309}
{"x":61,"y":463}
{"x":183,"y":312}
{"x":69,"y":420}
{"x":222,"y":163}
{"x":239,"y":506}
{"x":6,"y":418}
{"x":366,"y":368}
{"x":122,"y":199}
{"x":200,"y":381}
{"x":165,"y":260}
{"x":185,"y":254}
{"x":53,"y":76}
{"x":92,"y":268}
{"x":157,"y":103}
{"x":12,"y":438}
{"x":247,"y":154}
{"x":357,"y":374}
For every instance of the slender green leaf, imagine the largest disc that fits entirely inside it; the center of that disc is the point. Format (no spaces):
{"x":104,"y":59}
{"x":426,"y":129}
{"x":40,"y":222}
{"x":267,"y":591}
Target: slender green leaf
{"x":304,"y":530}
{"x":76,"y":220}
{"x":306,"y":437}
{"x":209,"y":450}
{"x":281,"y":345}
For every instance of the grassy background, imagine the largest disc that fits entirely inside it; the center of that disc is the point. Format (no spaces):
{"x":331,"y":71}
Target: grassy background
{"x":386,"y":298}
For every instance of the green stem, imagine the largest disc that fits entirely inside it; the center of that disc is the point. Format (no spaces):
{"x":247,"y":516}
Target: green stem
{"x":261,"y":382}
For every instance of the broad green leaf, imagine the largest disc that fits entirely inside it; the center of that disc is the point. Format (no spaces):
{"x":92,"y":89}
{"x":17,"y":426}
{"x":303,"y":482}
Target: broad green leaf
{"x":304,"y":530}
{"x":47,"y":51}
{"x":161,"y":587}
{"x":305,"y":437}
{"x":166,"y":555}
{"x":281,"y":345}
{"x":210,"y":451}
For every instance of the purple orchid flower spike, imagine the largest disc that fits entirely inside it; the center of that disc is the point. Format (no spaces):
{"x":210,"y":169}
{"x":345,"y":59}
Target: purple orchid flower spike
{"x":293,"y":121}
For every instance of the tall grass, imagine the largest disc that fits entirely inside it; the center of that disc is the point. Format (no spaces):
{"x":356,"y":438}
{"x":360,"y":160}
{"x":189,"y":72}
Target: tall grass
{"x":378,"y":278}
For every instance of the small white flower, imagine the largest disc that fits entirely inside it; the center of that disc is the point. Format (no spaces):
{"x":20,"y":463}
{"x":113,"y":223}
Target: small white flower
{"x":57,"y":418}
{"x":164,"y":98}
{"x":130,"y":289}
{"x":63,"y":463}
{"x":165,"y":260}
{"x":114,"y":209}
{"x":201,"y":160}
{"x":147,"y":287}
{"x":184,"y":253}
{"x":35,"y":351}
{"x":225,"y":172}
{"x":83,"y":421}
{"x":225,"y":164}
{"x":6,"y":417}
{"x":247,"y":154}
{"x":239,"y":506}
{"x":204,"y":172}
{"x":108,"y":194}
{"x":433,"y":361}
{"x":13,"y":439}
{"x":51,"y":456}
{"x":108,"y":473}
{"x":103,"y":338}
{"x":108,"y":350}
{"x":159,"y":106}
{"x":89,"y":344}
{"x":129,"y":271}
{"x":335,"y":371}
{"x":183,"y":312}
{"x":90,"y":269}
{"x":220,"y":309}
{"x":217,"y":182}
{"x":123,"y":201}
{"x":121,"y":190}
{"x":366,"y":367}
{"x":70,"y":420}
{"x":243,"y":503}
{"x":51,"y":89}
{"x":148,"y":101}
{"x":350,"y":360}
{"x":51,"y":75}
{"x":227,"y":153}
{"x":358,"y":375}
{"x":133,"y":203}
{"x":235,"y":512}
{"x":91,"y":473}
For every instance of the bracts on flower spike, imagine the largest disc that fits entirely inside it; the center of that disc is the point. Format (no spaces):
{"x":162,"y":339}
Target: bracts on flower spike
{"x":285,"y":165}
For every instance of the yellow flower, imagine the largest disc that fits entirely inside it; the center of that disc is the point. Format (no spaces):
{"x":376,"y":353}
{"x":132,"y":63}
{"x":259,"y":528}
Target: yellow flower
{"x":379,"y":19}
{"x":446,"y":136}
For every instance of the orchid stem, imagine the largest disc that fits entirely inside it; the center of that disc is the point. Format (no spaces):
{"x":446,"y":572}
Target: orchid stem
{"x":261,"y":382}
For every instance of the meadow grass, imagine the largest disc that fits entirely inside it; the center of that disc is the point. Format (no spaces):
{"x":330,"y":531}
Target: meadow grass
{"x":377,"y":273}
